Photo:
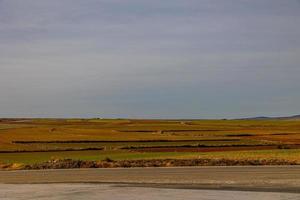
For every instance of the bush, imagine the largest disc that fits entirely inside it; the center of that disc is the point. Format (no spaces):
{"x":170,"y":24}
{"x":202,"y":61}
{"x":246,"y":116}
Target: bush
{"x":283,"y":146}
{"x":107,"y":159}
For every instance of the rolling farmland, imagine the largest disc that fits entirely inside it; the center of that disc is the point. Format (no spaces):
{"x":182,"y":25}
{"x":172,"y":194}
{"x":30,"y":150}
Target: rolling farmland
{"x":29,"y":141}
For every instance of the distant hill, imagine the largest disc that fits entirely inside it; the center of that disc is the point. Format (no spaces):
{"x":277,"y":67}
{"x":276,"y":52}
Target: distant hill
{"x":294,"y":117}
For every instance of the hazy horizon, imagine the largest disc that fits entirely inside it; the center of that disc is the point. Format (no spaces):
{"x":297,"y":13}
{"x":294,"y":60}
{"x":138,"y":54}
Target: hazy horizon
{"x":149,"y":59}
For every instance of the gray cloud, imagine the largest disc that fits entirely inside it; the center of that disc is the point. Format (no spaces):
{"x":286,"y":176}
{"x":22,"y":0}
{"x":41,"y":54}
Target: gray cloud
{"x":166,"y":59}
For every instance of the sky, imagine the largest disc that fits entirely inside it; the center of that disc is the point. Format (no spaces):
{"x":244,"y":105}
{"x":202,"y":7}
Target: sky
{"x":149,"y":59}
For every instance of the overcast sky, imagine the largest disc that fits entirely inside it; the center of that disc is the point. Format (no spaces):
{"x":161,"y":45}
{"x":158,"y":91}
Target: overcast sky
{"x":149,"y":59}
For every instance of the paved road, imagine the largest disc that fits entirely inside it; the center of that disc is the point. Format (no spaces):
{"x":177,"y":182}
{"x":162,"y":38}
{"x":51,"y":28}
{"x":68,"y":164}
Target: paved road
{"x":267,"y":178}
{"x":81,"y":191}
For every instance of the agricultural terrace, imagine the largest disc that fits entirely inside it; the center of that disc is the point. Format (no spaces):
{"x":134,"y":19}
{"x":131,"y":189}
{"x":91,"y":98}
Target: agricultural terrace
{"x":31,"y":141}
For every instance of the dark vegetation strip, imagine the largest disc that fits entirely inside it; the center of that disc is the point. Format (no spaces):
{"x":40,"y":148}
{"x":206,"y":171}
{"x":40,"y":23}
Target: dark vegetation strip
{"x":240,"y":135}
{"x":284,"y":133}
{"x":208,"y":149}
{"x":200,"y":146}
{"x":108,"y":163}
{"x":249,"y":134}
{"x":52,"y":150}
{"x":165,"y":131}
{"x":118,"y":141}
{"x":138,"y":131}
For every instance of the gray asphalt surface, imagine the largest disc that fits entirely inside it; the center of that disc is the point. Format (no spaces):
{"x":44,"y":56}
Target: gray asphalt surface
{"x":266,"y":179}
{"x":82,"y":191}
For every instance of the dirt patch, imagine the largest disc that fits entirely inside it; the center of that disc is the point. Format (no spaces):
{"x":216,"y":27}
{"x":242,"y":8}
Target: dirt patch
{"x":12,"y":166}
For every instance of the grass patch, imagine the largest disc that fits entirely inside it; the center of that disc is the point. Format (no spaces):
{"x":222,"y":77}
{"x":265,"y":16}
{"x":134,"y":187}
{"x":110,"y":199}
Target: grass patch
{"x":31,"y":158}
